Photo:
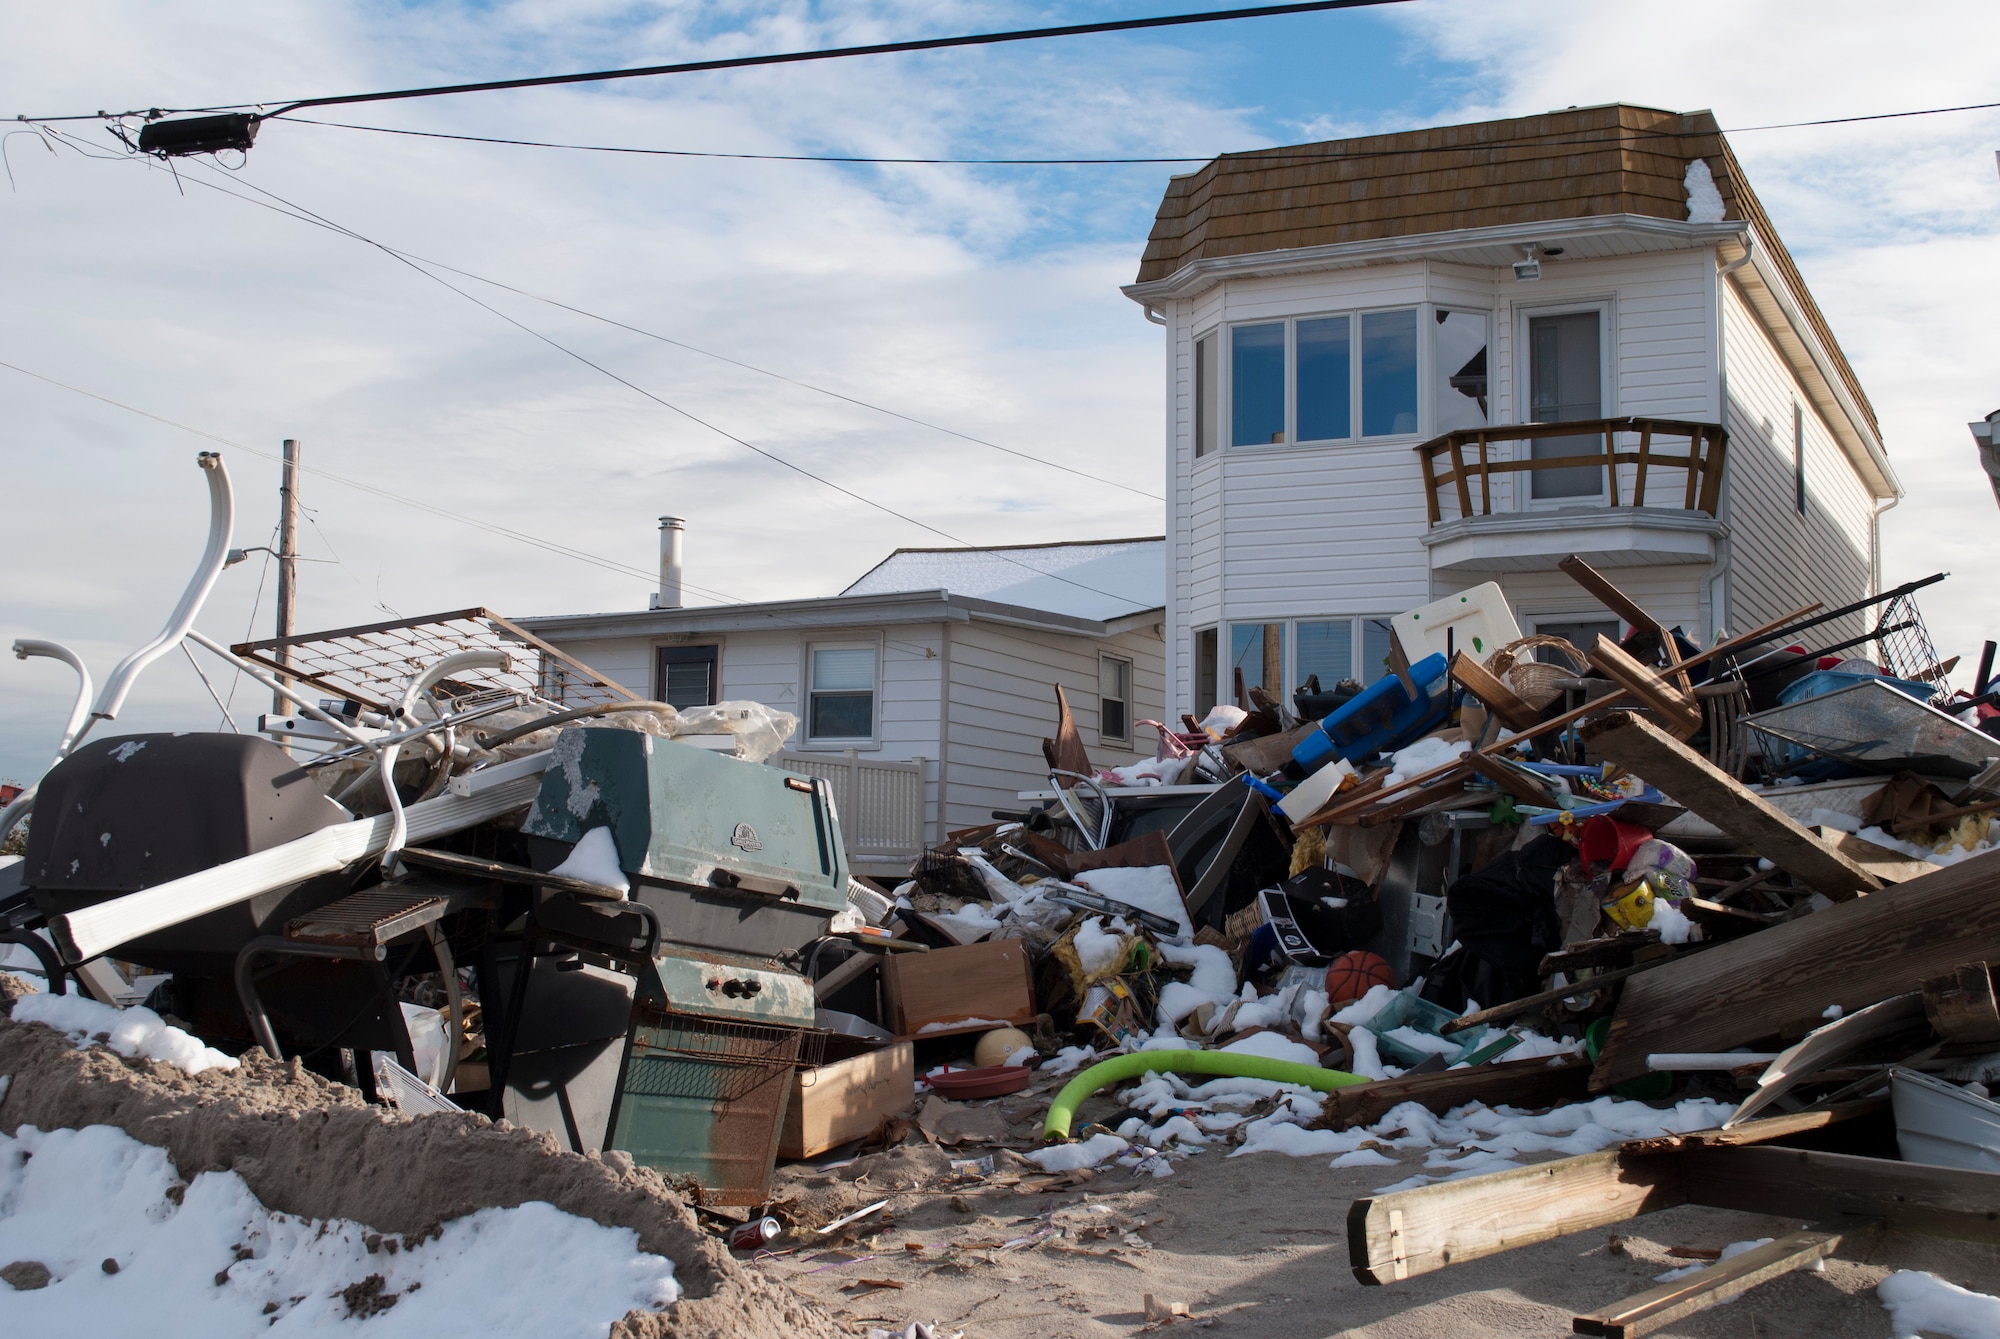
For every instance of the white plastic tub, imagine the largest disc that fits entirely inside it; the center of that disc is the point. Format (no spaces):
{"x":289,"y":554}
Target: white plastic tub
{"x":1943,"y":1125}
{"x":1476,"y":621}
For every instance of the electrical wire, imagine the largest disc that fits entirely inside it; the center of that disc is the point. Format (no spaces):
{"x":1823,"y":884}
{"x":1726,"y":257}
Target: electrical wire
{"x":1617,"y":135}
{"x":783,"y":58}
{"x":689,"y":415}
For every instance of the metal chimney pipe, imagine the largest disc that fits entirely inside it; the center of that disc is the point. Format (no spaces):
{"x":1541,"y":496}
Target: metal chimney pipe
{"x":672,"y":528}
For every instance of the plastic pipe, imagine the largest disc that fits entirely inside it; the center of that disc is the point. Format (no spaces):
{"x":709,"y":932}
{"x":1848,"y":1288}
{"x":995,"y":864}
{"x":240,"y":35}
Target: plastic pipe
{"x":399,"y":829}
{"x":221,"y":518}
{"x":1222,"y":1064}
{"x":79,"y":711}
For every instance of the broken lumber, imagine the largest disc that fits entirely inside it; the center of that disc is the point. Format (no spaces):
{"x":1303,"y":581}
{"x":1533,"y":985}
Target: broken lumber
{"x":1522,"y":1083}
{"x":1527,"y":1003}
{"x":1645,"y":1312}
{"x":1855,"y":954}
{"x":1501,"y":700}
{"x":1666,"y":701}
{"x":1961,"y":1005}
{"x":1695,"y":782}
{"x":1410,"y":1232}
{"x":1623,"y":605}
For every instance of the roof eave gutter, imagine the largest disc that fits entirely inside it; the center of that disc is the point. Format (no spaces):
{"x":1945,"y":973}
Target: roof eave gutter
{"x":1197,"y":275}
{"x":1862,"y":434}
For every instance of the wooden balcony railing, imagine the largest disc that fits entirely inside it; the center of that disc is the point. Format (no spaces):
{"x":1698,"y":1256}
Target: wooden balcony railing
{"x":1707,"y":444}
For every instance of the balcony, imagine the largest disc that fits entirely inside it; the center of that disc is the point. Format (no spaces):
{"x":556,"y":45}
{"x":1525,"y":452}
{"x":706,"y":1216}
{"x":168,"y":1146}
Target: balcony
{"x":1617,"y":526}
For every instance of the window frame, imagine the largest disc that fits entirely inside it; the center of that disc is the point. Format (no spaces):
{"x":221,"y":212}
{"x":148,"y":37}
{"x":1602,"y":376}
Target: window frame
{"x":1105,"y":736}
{"x":837,"y":743}
{"x":1606,"y":307}
{"x":1205,"y":372}
{"x":680,"y":651}
{"x":1799,"y":457}
{"x":1212,"y":634}
{"x":1290,"y":669}
{"x":1225,"y":390}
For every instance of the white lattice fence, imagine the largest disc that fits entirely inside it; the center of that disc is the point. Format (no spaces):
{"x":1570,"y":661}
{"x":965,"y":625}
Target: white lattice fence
{"x":881,"y":804}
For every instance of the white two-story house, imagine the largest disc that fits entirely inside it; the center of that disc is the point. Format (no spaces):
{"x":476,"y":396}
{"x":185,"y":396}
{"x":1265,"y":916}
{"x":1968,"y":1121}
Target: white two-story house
{"x":1358,"y":333}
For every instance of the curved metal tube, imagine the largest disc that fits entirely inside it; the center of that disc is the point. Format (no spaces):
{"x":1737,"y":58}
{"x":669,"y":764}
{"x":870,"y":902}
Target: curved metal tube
{"x":79,"y":712}
{"x":305,"y":705}
{"x":508,"y":736}
{"x":454,"y":1031}
{"x":385,"y":761}
{"x":52,"y":964}
{"x":221,"y":520}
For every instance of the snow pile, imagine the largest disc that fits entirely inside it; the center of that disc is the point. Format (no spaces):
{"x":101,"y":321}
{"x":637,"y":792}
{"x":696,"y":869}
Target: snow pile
{"x":130,"y":1032}
{"x":1704,"y":201}
{"x":1100,"y":949}
{"x":210,"y":1260}
{"x":1425,"y":755}
{"x":1729,"y":1252}
{"x":1069,"y":1059}
{"x":594,"y":859}
{"x":1924,"y":1302}
{"x":1147,"y":887}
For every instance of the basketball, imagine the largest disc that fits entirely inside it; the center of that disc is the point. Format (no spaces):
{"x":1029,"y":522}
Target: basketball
{"x":1351,"y":974}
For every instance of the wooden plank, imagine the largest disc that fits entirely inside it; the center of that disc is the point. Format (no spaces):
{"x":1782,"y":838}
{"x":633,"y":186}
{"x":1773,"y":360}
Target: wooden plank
{"x":1698,"y":784}
{"x":1498,"y":697}
{"x":1523,"y":1083}
{"x":1645,"y":1312}
{"x":1527,"y":1003}
{"x":1267,"y":753}
{"x":1672,"y":706}
{"x":1961,"y":1006}
{"x":1766,"y":1129}
{"x":1887,"y":865}
{"x":1854,"y":955}
{"x":1068,"y":753}
{"x":1827,"y":1188}
{"x":1410,"y":1232}
{"x":1522,"y":784}
{"x":1623,"y":605}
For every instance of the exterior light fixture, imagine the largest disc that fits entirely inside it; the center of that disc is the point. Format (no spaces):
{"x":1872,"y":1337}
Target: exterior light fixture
{"x":1528,"y":269}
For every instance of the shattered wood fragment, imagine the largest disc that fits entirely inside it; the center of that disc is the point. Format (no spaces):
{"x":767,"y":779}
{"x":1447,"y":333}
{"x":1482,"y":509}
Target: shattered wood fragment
{"x":1718,"y":1283}
{"x":1961,"y":1005}
{"x":1666,"y":701}
{"x":1623,"y":605}
{"x":1498,"y":697}
{"x":1855,"y":954}
{"x":1720,"y":798}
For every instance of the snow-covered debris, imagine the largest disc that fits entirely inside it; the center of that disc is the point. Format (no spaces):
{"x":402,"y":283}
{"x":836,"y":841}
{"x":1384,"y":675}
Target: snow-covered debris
{"x":1071,"y":1157}
{"x":1147,"y":887}
{"x":1920,"y":1302}
{"x":594,"y":859}
{"x":130,"y":1032}
{"x":129,"y":1251}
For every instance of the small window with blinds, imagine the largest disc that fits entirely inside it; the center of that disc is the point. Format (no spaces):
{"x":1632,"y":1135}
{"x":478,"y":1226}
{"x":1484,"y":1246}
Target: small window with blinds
{"x":840,"y":705}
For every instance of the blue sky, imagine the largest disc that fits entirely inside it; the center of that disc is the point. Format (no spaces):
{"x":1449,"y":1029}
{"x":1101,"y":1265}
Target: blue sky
{"x":985,"y":299}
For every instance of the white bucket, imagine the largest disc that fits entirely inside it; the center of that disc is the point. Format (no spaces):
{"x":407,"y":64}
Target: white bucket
{"x":1942,"y":1125}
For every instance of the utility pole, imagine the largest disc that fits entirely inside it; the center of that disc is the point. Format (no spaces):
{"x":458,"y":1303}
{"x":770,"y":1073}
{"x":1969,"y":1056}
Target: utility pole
{"x":288,"y":564}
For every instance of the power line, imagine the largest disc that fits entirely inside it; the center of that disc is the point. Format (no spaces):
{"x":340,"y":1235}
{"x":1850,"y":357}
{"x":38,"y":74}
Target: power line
{"x":784,"y":58}
{"x":1261,"y":155}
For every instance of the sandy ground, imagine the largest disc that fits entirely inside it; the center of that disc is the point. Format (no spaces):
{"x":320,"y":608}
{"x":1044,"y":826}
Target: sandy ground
{"x":1258,"y":1245}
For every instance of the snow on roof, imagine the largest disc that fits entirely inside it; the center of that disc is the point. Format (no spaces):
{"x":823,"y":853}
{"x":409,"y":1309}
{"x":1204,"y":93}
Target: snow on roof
{"x":1095,"y":579}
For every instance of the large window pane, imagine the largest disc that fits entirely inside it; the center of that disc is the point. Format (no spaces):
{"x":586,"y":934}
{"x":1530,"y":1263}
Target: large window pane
{"x":1375,"y":634}
{"x":842,"y":704}
{"x":1460,"y":393}
{"x":1205,"y":398}
{"x":1388,"y":373}
{"x":1565,"y":385}
{"x":1256,"y":385}
{"x":1324,"y":392}
{"x":1326,"y":649}
{"x":1257,"y":652}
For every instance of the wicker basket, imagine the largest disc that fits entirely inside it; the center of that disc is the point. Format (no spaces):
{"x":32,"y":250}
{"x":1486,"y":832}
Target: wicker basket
{"x":1534,"y":681}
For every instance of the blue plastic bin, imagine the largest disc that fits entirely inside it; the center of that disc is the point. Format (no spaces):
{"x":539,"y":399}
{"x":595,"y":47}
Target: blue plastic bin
{"x":1381,"y":717}
{"x":1821,"y":682}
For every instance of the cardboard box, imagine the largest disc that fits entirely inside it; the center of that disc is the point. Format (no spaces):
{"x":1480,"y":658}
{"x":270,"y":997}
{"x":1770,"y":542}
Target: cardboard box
{"x":846,"y":1098}
{"x":950,"y":985}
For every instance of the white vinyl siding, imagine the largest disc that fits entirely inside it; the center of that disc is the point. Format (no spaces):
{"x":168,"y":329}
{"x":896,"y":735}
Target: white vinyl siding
{"x":1781,"y":559}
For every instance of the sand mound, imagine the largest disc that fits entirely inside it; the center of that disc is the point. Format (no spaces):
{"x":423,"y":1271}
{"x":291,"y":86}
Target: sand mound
{"x":308,"y":1146}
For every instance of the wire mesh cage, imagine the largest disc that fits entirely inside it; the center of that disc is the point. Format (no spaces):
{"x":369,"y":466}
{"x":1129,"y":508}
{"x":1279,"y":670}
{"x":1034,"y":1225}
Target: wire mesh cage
{"x":1905,"y":643}
{"x":707,"y":1059}
{"x":371,"y":665}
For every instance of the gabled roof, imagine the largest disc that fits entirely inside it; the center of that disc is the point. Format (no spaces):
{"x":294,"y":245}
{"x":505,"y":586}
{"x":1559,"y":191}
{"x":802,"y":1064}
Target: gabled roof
{"x":1585,"y":162}
{"x":1094,"y":579}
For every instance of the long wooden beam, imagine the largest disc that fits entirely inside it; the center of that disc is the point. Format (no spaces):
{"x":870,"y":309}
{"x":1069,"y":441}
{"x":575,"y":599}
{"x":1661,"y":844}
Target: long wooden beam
{"x":1855,"y":954}
{"x":1645,"y":1312}
{"x":1698,"y":784}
